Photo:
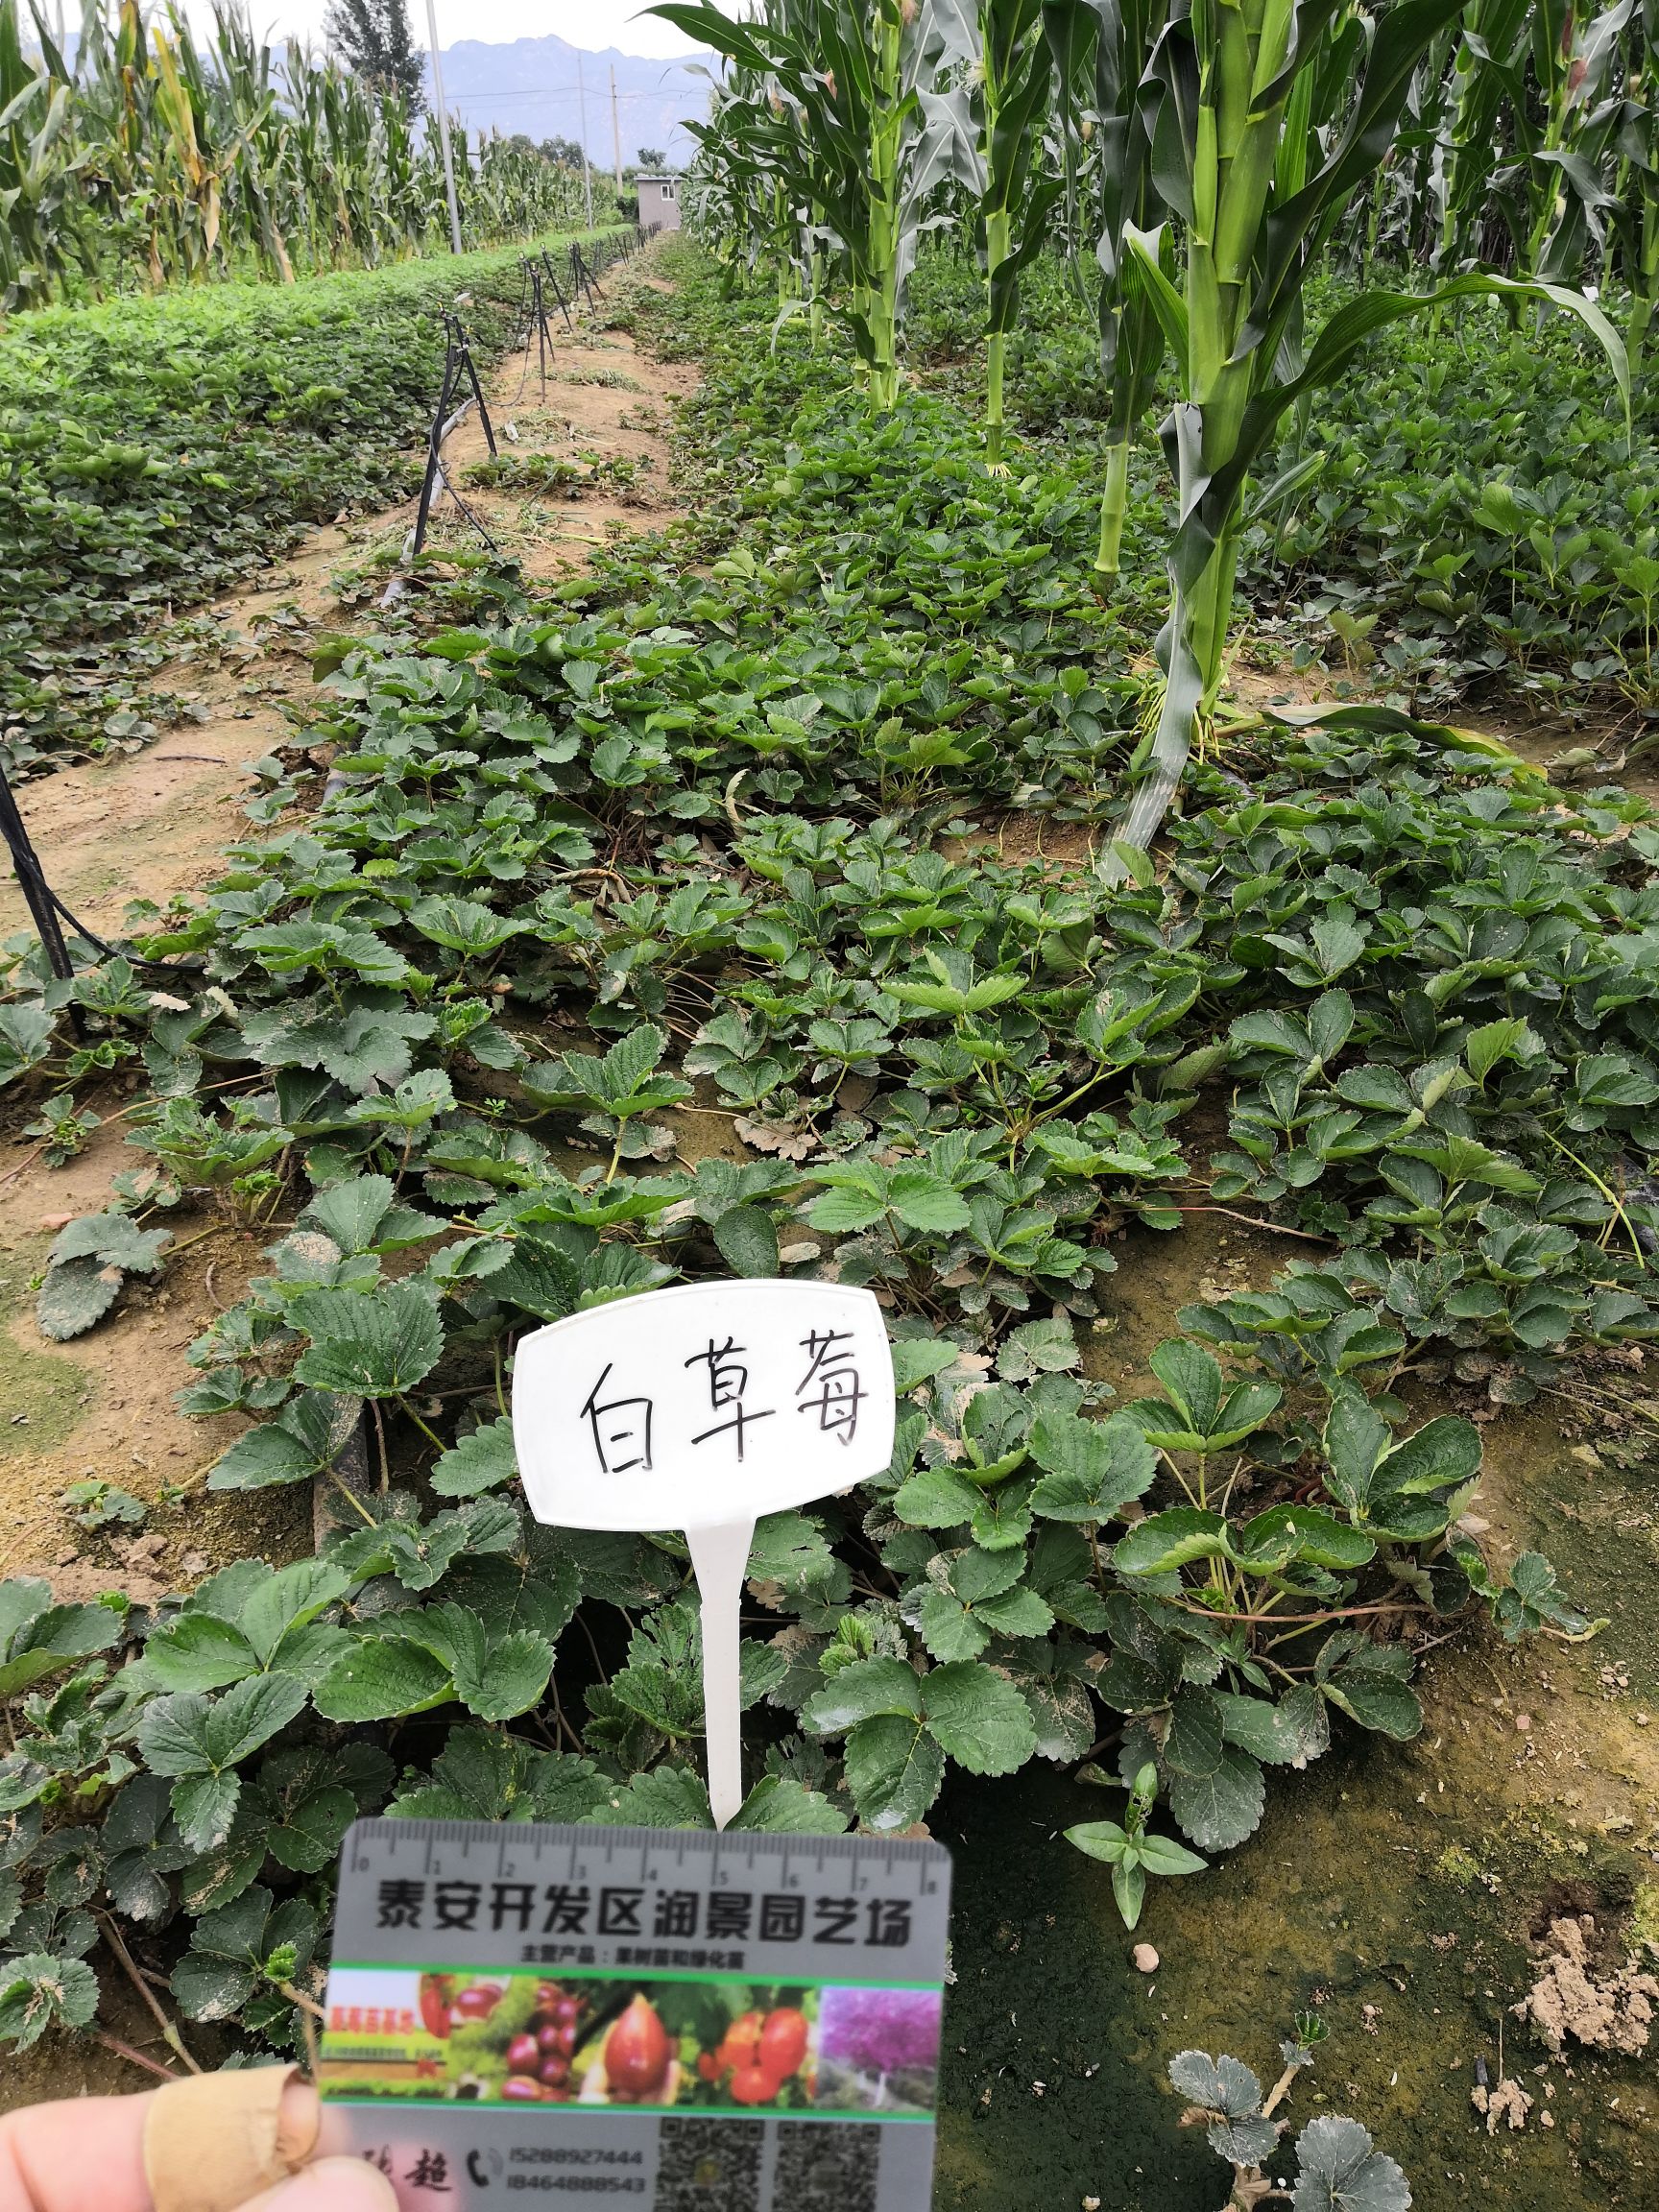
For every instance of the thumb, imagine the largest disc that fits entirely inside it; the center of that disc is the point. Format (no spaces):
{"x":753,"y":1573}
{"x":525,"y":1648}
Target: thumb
{"x":330,"y":2185}
{"x":242,"y":2138}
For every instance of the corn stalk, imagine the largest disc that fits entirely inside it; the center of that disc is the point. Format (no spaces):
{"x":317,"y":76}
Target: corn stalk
{"x":1000,"y":138}
{"x":1574,"y":157}
{"x":139,"y":150}
{"x":861,"y":79}
{"x":1638,"y":199}
{"x":37,"y":171}
{"x":1220,"y":91}
{"x":1101,"y":49}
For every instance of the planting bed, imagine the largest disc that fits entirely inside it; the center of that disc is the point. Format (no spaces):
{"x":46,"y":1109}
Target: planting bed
{"x":1265,"y":1243}
{"x":158,"y":451}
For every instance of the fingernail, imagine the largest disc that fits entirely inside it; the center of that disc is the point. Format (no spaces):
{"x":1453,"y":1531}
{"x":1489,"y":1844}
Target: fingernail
{"x":297,"y":2119}
{"x":330,"y":2185}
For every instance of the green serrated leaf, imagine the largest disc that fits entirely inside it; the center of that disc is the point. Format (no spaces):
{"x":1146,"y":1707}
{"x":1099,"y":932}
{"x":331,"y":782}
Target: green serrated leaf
{"x":777,"y":1805}
{"x":381,"y":1678}
{"x":1219,"y":1808}
{"x":978,"y":1717}
{"x":894,"y":1770}
{"x":477,"y":1462}
{"x":1165,"y":1541}
{"x":377,"y":1344}
{"x":747,"y":1240}
{"x":1093,"y":1467}
{"x":75,"y":1296}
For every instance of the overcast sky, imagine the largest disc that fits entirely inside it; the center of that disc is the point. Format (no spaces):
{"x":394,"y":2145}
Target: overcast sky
{"x":592,"y":24}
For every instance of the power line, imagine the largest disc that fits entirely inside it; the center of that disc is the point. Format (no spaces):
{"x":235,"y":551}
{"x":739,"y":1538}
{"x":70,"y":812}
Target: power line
{"x":540,"y":92}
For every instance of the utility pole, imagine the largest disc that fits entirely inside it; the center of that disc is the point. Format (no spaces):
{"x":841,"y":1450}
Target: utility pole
{"x":582,"y":125}
{"x":443,"y":130}
{"x":616,"y":132}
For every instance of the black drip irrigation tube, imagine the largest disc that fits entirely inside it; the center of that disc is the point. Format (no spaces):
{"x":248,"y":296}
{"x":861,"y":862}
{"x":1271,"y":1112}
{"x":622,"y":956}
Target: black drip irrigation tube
{"x":458,"y":366}
{"x":582,"y":277}
{"x":539,"y":328}
{"x":552,"y":275}
{"x":48,"y":912}
{"x":42,"y":901}
{"x":460,"y":370}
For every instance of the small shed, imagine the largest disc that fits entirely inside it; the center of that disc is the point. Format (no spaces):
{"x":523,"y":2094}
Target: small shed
{"x":658,"y":202}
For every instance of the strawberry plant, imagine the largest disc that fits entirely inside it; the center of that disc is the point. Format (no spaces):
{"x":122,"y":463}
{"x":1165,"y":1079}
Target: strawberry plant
{"x":158,"y":452}
{"x":712,"y":846}
{"x":1337,"y":2167}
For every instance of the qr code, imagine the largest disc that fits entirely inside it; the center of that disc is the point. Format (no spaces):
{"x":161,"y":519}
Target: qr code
{"x":826,"y":2166}
{"x":710,"y":2166}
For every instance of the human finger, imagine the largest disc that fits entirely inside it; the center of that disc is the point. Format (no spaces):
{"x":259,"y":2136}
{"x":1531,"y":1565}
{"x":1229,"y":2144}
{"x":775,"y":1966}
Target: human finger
{"x":81,"y":2154}
{"x":217,"y":2141}
{"x":330,"y":2185}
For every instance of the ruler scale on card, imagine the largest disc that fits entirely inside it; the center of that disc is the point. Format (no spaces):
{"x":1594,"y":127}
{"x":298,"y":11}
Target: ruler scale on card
{"x":769,"y":2006}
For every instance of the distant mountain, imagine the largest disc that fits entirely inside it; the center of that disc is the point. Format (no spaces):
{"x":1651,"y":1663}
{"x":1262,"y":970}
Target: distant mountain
{"x":531,"y":85}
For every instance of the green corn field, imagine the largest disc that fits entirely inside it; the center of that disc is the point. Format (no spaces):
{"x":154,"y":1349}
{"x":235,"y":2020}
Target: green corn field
{"x":141,"y":158}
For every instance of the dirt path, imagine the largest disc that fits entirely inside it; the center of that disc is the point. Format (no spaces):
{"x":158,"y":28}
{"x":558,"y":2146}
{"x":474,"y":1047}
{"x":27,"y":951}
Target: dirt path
{"x":153,"y":826}
{"x":1579,"y":751}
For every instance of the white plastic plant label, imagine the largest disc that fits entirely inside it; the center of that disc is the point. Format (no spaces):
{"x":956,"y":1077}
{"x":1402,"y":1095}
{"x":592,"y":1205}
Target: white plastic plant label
{"x":702,"y":1408}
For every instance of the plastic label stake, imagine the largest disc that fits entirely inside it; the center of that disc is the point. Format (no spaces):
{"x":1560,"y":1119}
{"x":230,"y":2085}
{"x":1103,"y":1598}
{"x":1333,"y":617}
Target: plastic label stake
{"x":702,"y":1408}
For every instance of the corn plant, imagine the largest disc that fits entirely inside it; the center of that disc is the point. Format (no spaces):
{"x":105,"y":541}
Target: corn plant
{"x":1573,"y":51}
{"x":1475,"y":136}
{"x":1013,"y":195}
{"x":244,"y":69}
{"x":37,"y":171}
{"x":140,"y":152}
{"x":1532,"y":118}
{"x":1638,"y":202}
{"x":754,"y":199}
{"x":1109,"y":41}
{"x":1259,"y":189}
{"x":767,"y":146}
{"x":863,"y":82}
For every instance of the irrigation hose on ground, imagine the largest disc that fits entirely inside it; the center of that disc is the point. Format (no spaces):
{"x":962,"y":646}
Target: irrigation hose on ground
{"x":46,"y":909}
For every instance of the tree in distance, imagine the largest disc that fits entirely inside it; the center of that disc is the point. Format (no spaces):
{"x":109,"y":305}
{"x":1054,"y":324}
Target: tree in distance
{"x":374,"y":37}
